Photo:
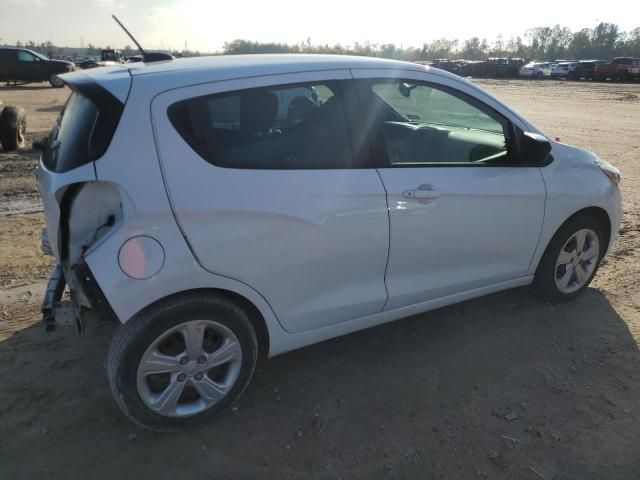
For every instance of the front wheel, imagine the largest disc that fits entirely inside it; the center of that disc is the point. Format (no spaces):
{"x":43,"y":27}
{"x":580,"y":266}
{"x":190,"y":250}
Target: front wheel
{"x":571,"y":260}
{"x":182,"y":362}
{"x":56,"y":81}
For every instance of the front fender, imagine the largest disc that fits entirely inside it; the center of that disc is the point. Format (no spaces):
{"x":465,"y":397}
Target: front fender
{"x":574,"y":182}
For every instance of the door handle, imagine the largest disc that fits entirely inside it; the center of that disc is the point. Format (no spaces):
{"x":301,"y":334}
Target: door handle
{"x":422,"y":192}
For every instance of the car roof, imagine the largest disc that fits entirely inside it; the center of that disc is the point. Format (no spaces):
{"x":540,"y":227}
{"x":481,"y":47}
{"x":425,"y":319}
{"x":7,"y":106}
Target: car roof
{"x":155,"y":77}
{"x":18,"y":48}
{"x":276,"y":63}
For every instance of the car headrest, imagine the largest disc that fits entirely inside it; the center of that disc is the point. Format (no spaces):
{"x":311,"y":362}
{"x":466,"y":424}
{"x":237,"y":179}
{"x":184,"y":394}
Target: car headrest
{"x":258,"y":111}
{"x":299,"y":108}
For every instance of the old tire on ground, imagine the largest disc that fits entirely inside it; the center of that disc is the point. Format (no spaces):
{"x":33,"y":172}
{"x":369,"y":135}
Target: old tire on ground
{"x":182,"y":362}
{"x":571,"y":259}
{"x":56,"y":81}
{"x":13,"y":126}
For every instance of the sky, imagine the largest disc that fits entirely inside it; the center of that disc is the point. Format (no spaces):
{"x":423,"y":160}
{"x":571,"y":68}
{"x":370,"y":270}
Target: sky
{"x":206,"y":25}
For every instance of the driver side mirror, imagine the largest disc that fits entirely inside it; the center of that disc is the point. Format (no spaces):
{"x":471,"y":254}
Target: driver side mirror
{"x":535,"y":148}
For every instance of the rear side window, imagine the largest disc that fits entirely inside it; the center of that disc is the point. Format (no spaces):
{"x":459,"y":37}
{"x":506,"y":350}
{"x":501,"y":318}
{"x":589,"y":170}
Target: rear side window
{"x":298,"y":126}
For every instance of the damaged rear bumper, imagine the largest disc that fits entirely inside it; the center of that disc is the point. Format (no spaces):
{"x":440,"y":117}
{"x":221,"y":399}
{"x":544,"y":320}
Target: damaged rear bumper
{"x":52,"y":298}
{"x":56,"y":311}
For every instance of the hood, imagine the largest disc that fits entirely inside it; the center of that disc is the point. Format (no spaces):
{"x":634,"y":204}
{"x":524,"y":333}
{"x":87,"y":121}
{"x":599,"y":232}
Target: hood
{"x":61,"y":63}
{"x":575,"y":156}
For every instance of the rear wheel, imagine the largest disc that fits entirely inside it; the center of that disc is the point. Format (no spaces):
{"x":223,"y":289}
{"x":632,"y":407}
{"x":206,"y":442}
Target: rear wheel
{"x":571,"y":260}
{"x":183,"y":362}
{"x":13,"y":127}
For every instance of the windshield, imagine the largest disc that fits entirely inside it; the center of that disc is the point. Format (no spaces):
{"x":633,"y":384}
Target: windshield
{"x":39,"y":55}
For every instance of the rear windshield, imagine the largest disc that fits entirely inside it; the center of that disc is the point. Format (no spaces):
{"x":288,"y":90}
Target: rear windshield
{"x":68,"y":145}
{"x":84,"y":128}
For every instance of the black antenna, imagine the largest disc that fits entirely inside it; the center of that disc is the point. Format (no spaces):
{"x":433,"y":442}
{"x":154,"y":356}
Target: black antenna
{"x":130,"y":36}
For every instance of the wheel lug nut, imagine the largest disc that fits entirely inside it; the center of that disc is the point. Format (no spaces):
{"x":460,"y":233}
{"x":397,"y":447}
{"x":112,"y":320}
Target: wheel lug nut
{"x":184,"y":360}
{"x":202,"y":359}
{"x":182,"y":377}
{"x":198,"y":376}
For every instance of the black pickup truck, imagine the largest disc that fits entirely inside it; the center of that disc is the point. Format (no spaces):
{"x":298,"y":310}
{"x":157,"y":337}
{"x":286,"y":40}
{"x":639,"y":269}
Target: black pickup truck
{"x":25,"y":66}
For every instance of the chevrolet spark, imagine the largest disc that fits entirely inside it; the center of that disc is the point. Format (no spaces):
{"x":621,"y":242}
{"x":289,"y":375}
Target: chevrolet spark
{"x":225,"y":209}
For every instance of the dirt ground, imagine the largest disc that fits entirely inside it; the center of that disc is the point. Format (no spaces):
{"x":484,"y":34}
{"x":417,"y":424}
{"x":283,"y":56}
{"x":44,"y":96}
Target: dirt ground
{"x":498,"y":387}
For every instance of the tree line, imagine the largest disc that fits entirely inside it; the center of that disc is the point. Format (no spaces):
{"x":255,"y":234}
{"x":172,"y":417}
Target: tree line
{"x":604,"y":41}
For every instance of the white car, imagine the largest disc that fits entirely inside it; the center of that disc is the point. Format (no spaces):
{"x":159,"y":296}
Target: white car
{"x":216,"y":226}
{"x":536,"y":70}
{"x":563,"y":69}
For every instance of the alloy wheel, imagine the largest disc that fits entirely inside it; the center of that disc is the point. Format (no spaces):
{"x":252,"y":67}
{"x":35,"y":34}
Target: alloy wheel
{"x":189,"y":368}
{"x":577,"y":261}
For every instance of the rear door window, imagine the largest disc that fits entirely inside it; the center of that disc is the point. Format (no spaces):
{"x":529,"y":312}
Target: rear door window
{"x":299,"y":126}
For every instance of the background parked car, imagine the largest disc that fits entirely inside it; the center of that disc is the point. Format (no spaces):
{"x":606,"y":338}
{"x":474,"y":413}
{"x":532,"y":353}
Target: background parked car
{"x":621,"y":69}
{"x":563,"y":69}
{"x":536,"y":70}
{"x":87,"y":62}
{"x":23,"y":65}
{"x":584,"y":70}
{"x":503,"y":67}
{"x":134,"y":59}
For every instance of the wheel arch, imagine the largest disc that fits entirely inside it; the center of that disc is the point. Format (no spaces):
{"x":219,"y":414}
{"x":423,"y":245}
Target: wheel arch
{"x":599,"y":214}
{"x":253,"y":312}
{"x":602,"y":217}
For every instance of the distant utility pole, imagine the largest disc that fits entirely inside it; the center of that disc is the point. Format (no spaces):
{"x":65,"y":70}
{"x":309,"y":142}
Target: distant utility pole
{"x":82,"y":41}
{"x":161,"y":44}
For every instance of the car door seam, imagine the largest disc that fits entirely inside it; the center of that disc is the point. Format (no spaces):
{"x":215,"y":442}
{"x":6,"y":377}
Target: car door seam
{"x":386,"y":267}
{"x":544,"y":215}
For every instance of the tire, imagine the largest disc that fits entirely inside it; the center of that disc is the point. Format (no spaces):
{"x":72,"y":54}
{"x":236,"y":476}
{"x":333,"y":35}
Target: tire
{"x":56,"y":81}
{"x":13,"y":126}
{"x":550,"y":272}
{"x":157,"y":329}
{"x":538,"y":76}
